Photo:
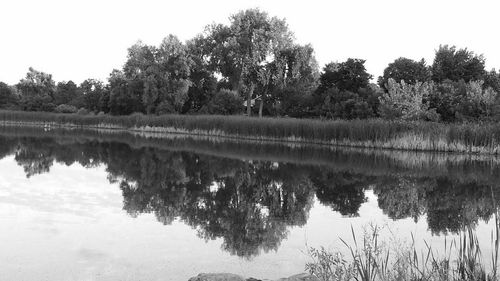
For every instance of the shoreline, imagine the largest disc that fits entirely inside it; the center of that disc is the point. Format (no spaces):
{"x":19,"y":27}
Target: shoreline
{"x":407,"y":136}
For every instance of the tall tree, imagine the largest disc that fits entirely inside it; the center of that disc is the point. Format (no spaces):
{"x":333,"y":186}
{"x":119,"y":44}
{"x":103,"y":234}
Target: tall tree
{"x":240,"y":49}
{"x":37,"y":91}
{"x":202,"y":78}
{"x":294,"y":67}
{"x":452,"y":64}
{"x":92,"y":90}
{"x":407,"y":70}
{"x":8,"y":97}
{"x":175,"y":66}
{"x":350,"y":75}
{"x":66,"y":93}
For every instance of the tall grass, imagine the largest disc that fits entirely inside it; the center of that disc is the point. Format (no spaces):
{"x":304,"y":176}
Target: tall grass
{"x":402,"y":135}
{"x":370,"y":260}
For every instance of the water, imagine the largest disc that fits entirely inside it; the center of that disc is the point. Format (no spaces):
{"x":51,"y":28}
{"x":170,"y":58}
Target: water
{"x":86,"y":206}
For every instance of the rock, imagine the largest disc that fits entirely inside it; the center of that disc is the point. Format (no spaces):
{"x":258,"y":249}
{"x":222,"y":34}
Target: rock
{"x":300,"y":277}
{"x":217,"y":277}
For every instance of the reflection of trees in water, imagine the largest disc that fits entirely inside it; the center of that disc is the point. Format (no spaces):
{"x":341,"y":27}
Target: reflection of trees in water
{"x":343,"y":191}
{"x":251,"y":204}
{"x":450,"y":205}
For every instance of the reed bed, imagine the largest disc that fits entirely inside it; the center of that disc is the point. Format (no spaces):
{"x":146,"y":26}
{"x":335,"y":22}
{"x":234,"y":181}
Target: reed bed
{"x":370,"y":259}
{"x":374,"y":133}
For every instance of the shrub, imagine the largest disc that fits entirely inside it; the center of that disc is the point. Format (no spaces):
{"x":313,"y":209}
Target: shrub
{"x":82,"y":111}
{"x":406,"y":101}
{"x":225,"y":102}
{"x":65,"y":108}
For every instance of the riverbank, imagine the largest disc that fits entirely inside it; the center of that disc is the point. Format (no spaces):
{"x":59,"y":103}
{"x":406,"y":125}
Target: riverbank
{"x":480,"y":138}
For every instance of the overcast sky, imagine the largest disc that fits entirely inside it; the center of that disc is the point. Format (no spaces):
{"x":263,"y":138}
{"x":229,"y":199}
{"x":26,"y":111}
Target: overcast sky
{"x":79,"y":39}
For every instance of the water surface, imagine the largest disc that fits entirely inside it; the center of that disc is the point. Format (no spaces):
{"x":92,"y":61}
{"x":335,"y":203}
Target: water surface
{"x":90,"y":206}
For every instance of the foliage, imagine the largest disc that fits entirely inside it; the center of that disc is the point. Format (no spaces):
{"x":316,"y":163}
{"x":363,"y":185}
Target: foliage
{"x":37,"y":91}
{"x":452,"y":64}
{"x":460,"y":101}
{"x":350,"y":75}
{"x":407,"y":101}
{"x":407,"y":70}
{"x":372,"y":260}
{"x":66,"y":93}
{"x":240,"y":49}
{"x":225,"y":102}
{"x":404,"y":135}
{"x":8,"y":97}
{"x":65,"y":108}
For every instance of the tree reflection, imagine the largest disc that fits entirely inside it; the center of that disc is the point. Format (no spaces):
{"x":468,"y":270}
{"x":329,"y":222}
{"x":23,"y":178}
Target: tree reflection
{"x":251,"y":205}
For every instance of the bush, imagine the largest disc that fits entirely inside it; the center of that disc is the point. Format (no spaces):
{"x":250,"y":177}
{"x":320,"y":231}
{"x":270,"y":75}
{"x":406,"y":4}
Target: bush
{"x":82,"y":111}
{"x":65,"y":108}
{"x":225,"y":102}
{"x":406,"y":101}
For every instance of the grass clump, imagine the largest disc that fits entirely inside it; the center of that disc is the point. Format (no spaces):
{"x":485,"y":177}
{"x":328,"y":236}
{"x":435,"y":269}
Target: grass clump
{"x":371,"y":260}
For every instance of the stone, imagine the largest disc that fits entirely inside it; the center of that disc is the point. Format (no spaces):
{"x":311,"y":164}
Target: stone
{"x":217,"y":277}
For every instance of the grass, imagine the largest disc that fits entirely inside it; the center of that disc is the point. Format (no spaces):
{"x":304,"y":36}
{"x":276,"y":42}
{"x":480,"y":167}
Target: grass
{"x":371,"y":260}
{"x":374,"y":133}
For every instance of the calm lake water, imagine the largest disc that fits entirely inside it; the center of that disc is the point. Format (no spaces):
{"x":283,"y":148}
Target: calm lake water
{"x":85,"y":206}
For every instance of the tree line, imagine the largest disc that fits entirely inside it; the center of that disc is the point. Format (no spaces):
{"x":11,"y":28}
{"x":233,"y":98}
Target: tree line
{"x":253,"y":65}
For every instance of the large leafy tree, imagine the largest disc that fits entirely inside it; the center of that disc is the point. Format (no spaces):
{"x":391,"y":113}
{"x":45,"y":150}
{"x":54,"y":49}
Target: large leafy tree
{"x":66,"y":93}
{"x":287,"y":81}
{"x":175,"y":65}
{"x":241,"y":49}
{"x":160,"y":75}
{"x":404,"y":69}
{"x":203,"y":82}
{"x":455,"y":64}
{"x":125,"y":97}
{"x":92,"y":91}
{"x":37,"y":91}
{"x":350,"y":75}
{"x":8,"y":97}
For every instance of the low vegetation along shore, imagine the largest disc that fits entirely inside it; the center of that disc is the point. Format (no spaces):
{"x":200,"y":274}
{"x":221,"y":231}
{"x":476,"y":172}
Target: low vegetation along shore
{"x":481,"y":138}
{"x":372,"y":260}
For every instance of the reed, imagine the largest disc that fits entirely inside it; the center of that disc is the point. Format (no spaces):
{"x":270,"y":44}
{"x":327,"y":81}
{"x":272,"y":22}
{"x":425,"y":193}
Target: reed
{"x":371,"y":260}
{"x":480,"y":138}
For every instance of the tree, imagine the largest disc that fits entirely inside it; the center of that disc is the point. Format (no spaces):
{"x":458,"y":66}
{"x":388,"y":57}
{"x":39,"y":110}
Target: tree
{"x":289,"y":79}
{"x":8,"y":98}
{"x":203,"y":82}
{"x":407,"y":70}
{"x":344,"y":91}
{"x":37,"y":91}
{"x":225,"y":102}
{"x":160,"y":76}
{"x":407,"y":101}
{"x":125,"y":97}
{"x":141,"y":67}
{"x":175,"y":66}
{"x":92,"y":90}
{"x":350,"y":75}
{"x":452,"y":64}
{"x":66,"y":93}
{"x":492,"y":79}
{"x":240,"y":49}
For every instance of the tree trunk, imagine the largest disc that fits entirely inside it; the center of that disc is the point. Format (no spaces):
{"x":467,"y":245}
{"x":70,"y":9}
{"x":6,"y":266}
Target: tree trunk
{"x":249,"y":100}
{"x":261,"y":106}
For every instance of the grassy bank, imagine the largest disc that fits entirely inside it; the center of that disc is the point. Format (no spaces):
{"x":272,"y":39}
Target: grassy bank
{"x":372,"y":259}
{"x":418,"y":136}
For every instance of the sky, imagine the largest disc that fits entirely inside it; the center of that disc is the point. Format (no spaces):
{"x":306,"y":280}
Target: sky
{"x":80,"y":39}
